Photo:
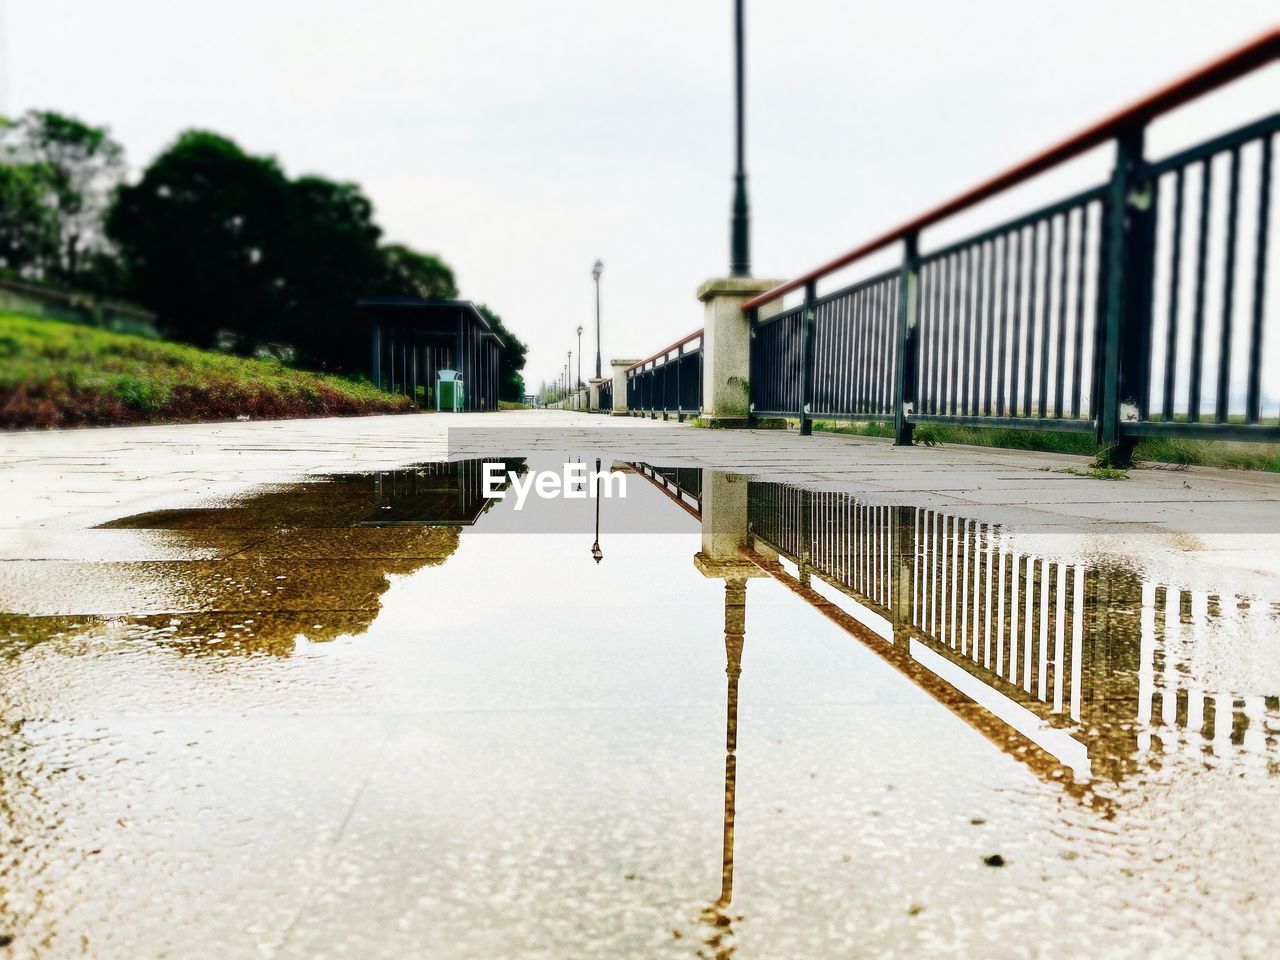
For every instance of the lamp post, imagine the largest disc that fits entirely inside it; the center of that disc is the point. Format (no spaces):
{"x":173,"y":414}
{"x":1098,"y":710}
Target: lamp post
{"x":595,"y":273}
{"x":740,"y":242}
{"x":568,"y":370}
{"x":579,"y":383}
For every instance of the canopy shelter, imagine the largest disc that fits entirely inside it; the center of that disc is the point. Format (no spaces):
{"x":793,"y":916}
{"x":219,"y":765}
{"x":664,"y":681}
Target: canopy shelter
{"x":412,"y":340}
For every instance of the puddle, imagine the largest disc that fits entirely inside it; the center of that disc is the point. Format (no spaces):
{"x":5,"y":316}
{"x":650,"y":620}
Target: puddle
{"x":386,"y":714}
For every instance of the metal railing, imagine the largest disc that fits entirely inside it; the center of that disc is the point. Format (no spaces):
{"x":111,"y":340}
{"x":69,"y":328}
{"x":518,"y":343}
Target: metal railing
{"x":606,"y":397}
{"x":1134,"y":308}
{"x":669,"y":383}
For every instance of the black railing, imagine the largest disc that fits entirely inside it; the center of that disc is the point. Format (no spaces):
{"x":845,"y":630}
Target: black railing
{"x":606,"y":397}
{"x":669,"y":383}
{"x":1136,"y":308}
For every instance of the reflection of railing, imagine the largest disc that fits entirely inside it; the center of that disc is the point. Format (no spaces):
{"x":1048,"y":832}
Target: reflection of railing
{"x":1135,"y":308}
{"x":681,"y":484}
{"x":433,"y":494}
{"x":669,"y":382}
{"x":1092,"y":649}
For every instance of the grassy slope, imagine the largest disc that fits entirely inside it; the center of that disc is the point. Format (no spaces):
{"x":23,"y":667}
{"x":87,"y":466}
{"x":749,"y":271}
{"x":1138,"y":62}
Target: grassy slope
{"x":1208,"y":453}
{"x":60,"y":374}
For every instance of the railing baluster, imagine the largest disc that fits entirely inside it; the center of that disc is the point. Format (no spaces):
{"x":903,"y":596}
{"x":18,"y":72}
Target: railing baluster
{"x":1202,"y":258}
{"x":1228,"y":289}
{"x":906,"y":378}
{"x":937,"y":282}
{"x":1002,"y":329}
{"x":1077,"y":346}
{"x":953,"y":340}
{"x":1015,"y":340}
{"x":1029,"y":368}
{"x":807,"y":317}
{"x":1175,"y":290}
{"x":991,"y":331}
{"x":1060,"y":359}
{"x":965,"y":352}
{"x":1254,"y":402}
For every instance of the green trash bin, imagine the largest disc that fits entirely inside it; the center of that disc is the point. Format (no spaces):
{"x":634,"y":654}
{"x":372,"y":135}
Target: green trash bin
{"x":449,"y":394}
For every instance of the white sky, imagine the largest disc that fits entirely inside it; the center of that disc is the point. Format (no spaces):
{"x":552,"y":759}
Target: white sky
{"x":521,"y":140}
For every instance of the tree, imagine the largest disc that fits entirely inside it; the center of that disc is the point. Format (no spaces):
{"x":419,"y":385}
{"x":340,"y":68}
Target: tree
{"x":28,"y":227}
{"x":82,"y":166}
{"x":407,"y":273}
{"x":229,"y":250}
{"x":330,"y":259}
{"x":202,"y":236}
{"x":510,"y":382}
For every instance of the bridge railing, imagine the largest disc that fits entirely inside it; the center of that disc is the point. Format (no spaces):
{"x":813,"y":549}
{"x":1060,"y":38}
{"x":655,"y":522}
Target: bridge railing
{"x":669,"y":383}
{"x":606,"y":397}
{"x":1135,"y":308}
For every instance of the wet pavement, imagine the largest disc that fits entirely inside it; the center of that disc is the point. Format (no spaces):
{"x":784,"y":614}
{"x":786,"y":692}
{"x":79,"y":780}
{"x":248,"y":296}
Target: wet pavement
{"x":373,"y":712}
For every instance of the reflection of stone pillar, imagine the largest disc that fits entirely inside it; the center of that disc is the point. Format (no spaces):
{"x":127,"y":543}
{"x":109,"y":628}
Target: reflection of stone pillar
{"x":724,"y":514}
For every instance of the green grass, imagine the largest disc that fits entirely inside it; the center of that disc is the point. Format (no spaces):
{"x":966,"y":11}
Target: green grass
{"x":1207,"y":453}
{"x":63,"y":374}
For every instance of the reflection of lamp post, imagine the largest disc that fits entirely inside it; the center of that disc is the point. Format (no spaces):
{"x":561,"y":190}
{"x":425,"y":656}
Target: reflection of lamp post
{"x":595,"y":547}
{"x":595,"y":272}
{"x":735,"y":626}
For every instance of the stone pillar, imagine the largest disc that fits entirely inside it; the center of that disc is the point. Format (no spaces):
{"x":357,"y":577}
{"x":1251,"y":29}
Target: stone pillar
{"x":726,"y":347}
{"x":620,"y":386}
{"x":593,"y":403}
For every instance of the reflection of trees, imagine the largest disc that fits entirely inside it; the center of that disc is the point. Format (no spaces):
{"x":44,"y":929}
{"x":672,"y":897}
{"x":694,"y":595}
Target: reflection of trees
{"x":309,"y":560}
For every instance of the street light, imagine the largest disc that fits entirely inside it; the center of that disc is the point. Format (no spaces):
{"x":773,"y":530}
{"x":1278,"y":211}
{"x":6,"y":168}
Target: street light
{"x":580,"y":355}
{"x":740,"y":241}
{"x":568,"y":369}
{"x":595,"y":272}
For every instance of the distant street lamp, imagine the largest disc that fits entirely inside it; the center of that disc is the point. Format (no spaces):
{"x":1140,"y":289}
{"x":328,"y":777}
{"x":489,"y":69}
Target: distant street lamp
{"x":595,"y":272}
{"x":580,"y":355}
{"x":568,"y":370}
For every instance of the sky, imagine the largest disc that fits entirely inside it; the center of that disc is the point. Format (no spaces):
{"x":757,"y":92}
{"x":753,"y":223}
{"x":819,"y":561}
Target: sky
{"x":520,"y":140}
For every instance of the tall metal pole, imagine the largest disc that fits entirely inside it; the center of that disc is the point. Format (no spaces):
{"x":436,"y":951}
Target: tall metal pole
{"x":740,"y":244}
{"x":579,"y":383}
{"x":595,"y":272}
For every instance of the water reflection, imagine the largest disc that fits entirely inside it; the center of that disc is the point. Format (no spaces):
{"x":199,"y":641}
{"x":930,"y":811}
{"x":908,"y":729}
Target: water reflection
{"x":314,"y":557}
{"x":1081,"y":670}
{"x":1090,"y":675}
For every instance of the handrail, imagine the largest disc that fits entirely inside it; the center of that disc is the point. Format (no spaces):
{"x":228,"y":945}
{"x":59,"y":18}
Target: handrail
{"x":1259,"y":52}
{"x":663,"y":352}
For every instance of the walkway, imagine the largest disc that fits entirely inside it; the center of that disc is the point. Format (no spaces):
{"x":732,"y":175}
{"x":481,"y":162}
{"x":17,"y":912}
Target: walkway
{"x":56,"y":484}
